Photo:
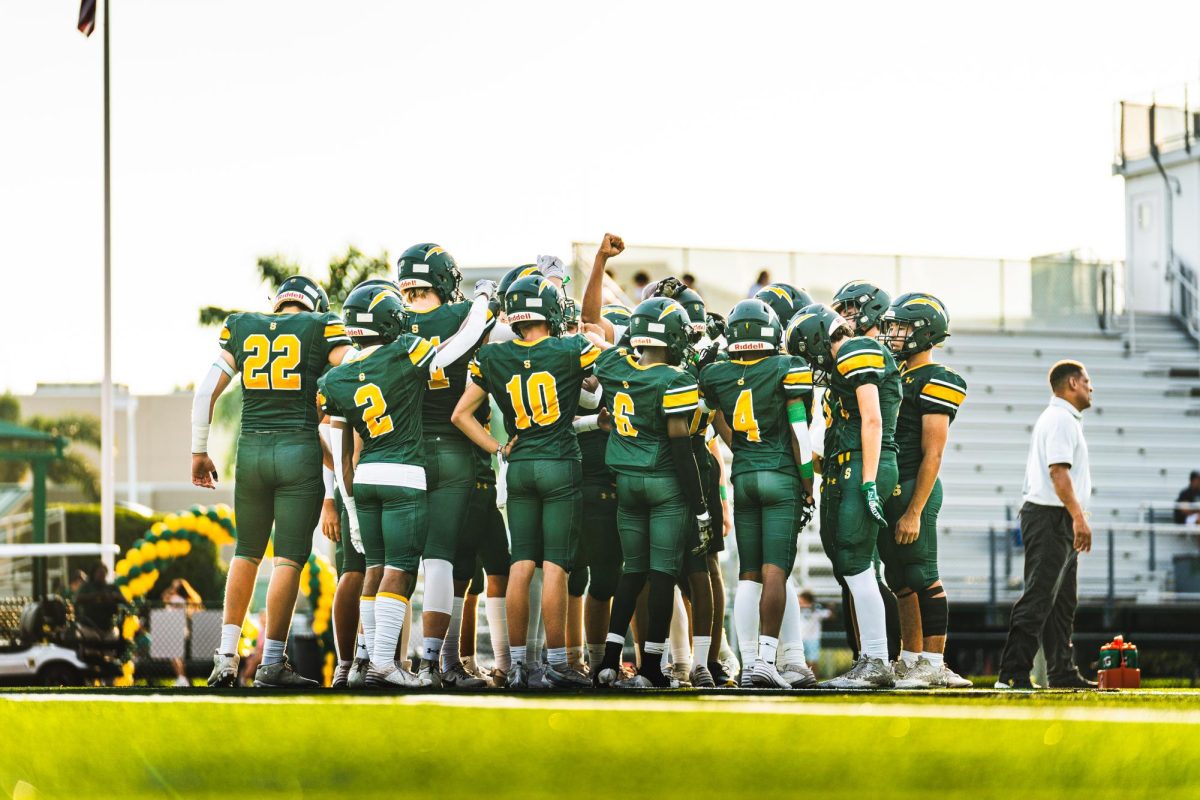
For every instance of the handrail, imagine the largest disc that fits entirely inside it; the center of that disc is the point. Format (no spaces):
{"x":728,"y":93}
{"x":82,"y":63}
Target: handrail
{"x":1187,"y":311}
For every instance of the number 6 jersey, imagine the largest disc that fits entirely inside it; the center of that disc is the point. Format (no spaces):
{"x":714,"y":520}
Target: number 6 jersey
{"x":536,"y":384}
{"x":379,"y":392}
{"x":281,"y":356}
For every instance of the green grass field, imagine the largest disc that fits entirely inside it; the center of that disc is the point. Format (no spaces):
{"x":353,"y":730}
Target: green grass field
{"x":968,"y":745}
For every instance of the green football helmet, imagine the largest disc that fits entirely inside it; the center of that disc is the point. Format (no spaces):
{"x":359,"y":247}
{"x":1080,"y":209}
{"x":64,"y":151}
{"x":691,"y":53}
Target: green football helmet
{"x":661,"y":322}
{"x":616,"y":314}
{"x":302,"y":291}
{"x":523,"y":271}
{"x":862,"y":304}
{"x":753,"y":327}
{"x":534,"y":299}
{"x":428,"y":266}
{"x":373,"y":314}
{"x":915,"y":322}
{"x":810,"y":335}
{"x":784,"y":299}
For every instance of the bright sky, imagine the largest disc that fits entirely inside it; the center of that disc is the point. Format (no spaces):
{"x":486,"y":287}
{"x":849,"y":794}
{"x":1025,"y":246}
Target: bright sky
{"x":504,"y":130}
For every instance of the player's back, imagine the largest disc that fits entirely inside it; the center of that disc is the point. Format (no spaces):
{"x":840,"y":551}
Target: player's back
{"x":379,"y":391}
{"x":640,"y":398}
{"x":281,"y":357}
{"x":536,"y":385}
{"x":445,"y":387}
{"x":753,"y":394}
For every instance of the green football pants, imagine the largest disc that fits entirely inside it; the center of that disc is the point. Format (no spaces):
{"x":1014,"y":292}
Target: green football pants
{"x":545,"y":510}
{"x":450,"y":481}
{"x":654,"y":521}
{"x":278,"y":485}
{"x":485,"y":539}
{"x":911,"y":565}
{"x":766,"y":517}
{"x":392,"y":520}
{"x":599,"y":564}
{"x":857,"y":533}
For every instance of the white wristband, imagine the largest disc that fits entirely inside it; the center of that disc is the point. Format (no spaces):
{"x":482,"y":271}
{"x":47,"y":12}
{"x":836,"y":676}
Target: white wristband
{"x":588,"y":423}
{"x":199,"y":438}
{"x":328,"y":478}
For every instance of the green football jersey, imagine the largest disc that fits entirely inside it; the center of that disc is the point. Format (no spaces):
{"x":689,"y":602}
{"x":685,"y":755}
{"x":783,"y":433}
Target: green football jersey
{"x":484,"y":470}
{"x":592,"y":447}
{"x":445,"y":386}
{"x":281,"y":357}
{"x":833,"y":415}
{"x":862,"y":361}
{"x":753,"y":394}
{"x":928,"y":389}
{"x":640,"y":400}
{"x":536,"y":385}
{"x":379,"y":392}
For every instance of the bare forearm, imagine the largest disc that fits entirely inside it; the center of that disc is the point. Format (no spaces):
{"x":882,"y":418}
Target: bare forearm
{"x":1061,"y":478}
{"x":872,"y":442}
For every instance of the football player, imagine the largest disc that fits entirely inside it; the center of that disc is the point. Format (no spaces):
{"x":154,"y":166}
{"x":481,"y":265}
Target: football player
{"x":760,"y":396}
{"x":651,"y":400}
{"x":280,"y":356}
{"x":527,"y":377}
{"x":865,"y":382}
{"x":933,"y":393}
{"x":378,"y":392}
{"x":428,"y":279}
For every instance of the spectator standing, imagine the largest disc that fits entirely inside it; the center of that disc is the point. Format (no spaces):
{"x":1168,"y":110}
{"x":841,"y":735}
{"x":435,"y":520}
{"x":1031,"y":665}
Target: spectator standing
{"x":640,"y":281}
{"x":97,"y":600}
{"x":1055,"y":529}
{"x":760,"y":283}
{"x":182,"y":600}
{"x":812,"y":616}
{"x":1187,"y":505}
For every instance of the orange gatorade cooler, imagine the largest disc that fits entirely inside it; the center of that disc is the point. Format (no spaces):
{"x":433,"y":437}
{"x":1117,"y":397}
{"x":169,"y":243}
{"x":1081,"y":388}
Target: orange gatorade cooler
{"x":1118,"y":667}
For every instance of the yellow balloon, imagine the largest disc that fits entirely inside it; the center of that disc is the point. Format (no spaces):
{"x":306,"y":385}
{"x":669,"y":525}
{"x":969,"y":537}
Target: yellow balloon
{"x":121,"y":567}
{"x":162,"y":548}
{"x":185,"y":547}
{"x":171,"y":521}
{"x":148,"y":551}
{"x":134,"y":557}
{"x":126,"y":592}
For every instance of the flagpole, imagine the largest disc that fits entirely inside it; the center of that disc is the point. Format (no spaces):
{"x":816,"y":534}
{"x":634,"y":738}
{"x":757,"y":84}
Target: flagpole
{"x":107,"y":422}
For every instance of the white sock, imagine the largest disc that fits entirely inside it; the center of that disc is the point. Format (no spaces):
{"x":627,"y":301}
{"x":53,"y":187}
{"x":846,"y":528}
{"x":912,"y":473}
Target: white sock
{"x":575,"y":655}
{"x":230,"y":636}
{"x":450,"y":654}
{"x":700,"y":648}
{"x":665,"y":660}
{"x":656,"y":648}
{"x":869,"y":613}
{"x":516,"y":653}
{"x":366,"y":613}
{"x":342,"y":663}
{"x":557,"y":656}
{"x":909,"y":657}
{"x":681,"y":650}
{"x":532,"y":637}
{"x":432,"y":650}
{"x":405,"y":634}
{"x":390,"y":610}
{"x":937,"y":659}
{"x":273,"y":651}
{"x":497,"y":617}
{"x":768,"y":646}
{"x":595,"y":653}
{"x":745,"y":619}
{"x":791,"y":638}
{"x":360,"y":647}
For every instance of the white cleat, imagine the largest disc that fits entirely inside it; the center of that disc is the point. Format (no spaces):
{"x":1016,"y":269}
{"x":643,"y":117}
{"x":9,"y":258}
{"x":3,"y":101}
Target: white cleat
{"x":766,"y":676}
{"x":607,"y":677}
{"x":952,"y":680}
{"x":921,"y":675}
{"x":225,"y":670}
{"x":390,"y":676}
{"x":798,"y":676}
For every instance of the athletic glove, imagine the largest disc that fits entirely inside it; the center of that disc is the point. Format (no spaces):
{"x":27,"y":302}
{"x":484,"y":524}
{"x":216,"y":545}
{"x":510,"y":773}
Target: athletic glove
{"x":806,"y":512}
{"x":704,"y":525}
{"x":355,"y":534}
{"x":714,"y":325}
{"x":485,"y":287}
{"x":551,"y":267}
{"x":874,"y":504}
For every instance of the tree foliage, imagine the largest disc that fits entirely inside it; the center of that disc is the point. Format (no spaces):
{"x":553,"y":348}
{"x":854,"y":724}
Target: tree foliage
{"x":73,"y":468}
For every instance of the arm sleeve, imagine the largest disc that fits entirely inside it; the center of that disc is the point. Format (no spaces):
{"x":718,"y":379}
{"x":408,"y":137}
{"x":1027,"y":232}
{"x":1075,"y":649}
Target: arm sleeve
{"x":479,"y":320}
{"x":688,"y":473}
{"x":202,"y":401}
{"x":798,"y":417}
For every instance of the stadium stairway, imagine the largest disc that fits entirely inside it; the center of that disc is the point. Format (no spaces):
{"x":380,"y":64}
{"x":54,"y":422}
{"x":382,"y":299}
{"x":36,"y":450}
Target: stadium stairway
{"x":1143,"y":432}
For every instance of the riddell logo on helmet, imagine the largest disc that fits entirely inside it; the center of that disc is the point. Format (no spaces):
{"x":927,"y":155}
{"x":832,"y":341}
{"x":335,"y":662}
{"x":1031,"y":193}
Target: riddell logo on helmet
{"x":413,"y":283}
{"x":360,"y":332}
{"x":524,"y":316}
{"x":738,"y":347}
{"x":291,"y":296}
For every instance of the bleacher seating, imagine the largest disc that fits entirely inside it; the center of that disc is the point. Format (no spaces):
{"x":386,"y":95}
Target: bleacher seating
{"x":1144,"y":438}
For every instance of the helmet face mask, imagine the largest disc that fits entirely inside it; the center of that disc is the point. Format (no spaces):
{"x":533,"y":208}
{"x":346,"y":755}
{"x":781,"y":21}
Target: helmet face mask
{"x":661,"y":322}
{"x":428,"y":267}
{"x":301,"y":291}
{"x":895,"y":334}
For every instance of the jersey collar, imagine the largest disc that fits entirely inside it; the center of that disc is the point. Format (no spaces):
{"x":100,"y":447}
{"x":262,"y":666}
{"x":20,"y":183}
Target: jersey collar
{"x":633,"y":363}
{"x":745,"y":362}
{"x":523,"y":343}
{"x":907,"y":369}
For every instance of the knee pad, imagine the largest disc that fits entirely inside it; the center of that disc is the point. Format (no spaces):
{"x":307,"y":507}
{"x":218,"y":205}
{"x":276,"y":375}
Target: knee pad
{"x":439,"y":586}
{"x":577,"y":582}
{"x":603,"y":584}
{"x":935,"y":610}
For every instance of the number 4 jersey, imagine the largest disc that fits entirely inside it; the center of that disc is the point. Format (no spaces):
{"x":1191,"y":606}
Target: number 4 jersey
{"x":379,"y":392}
{"x":536,"y":384}
{"x":281,"y":356}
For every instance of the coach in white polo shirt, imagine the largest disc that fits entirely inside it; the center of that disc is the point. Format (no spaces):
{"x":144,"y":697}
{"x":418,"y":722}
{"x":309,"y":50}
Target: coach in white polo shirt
{"x":1054,"y":527}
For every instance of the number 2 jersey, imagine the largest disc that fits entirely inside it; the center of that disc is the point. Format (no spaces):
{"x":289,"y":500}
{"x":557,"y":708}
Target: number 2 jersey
{"x":536,"y":385}
{"x":280,"y":357}
{"x":445,"y":387}
{"x":379,"y":391}
{"x":753,"y":394}
{"x":640,"y":400}
{"x":928,"y":389}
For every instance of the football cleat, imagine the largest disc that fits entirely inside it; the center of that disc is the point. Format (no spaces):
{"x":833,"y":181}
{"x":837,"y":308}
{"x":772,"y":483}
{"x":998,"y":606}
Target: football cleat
{"x":721,"y":676}
{"x":1073,"y":680}
{"x":766,"y":676}
{"x":472,"y":668}
{"x":678,"y":673}
{"x":518,"y":676}
{"x":281,"y":675}
{"x":458,"y":678}
{"x":391,"y":676}
{"x":357,"y":679}
{"x":798,"y":676}
{"x":499,"y":678}
{"x":429,"y":676}
{"x":867,"y":673}
{"x":638,"y":681}
{"x":341,"y":677}
{"x":744,"y":681}
{"x":225,"y":671}
{"x":607,"y":677}
{"x":565,"y":678}
{"x":701,"y":678}
{"x":952,"y":680}
{"x":921,"y":675}
{"x":1020,"y":684}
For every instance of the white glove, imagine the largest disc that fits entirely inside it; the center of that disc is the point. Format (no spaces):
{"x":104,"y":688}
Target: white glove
{"x":551,"y":267}
{"x":355,"y":533}
{"x":501,"y":483}
{"x":485,"y":287}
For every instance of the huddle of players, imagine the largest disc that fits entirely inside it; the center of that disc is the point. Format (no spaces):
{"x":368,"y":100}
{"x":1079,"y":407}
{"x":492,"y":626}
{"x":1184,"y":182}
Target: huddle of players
{"x":611,"y":487}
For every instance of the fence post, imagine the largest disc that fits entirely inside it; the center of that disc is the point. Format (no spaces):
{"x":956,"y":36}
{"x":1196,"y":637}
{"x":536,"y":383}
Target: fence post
{"x":1153,"y":544}
{"x":991,"y":567}
{"x":1112,"y":571}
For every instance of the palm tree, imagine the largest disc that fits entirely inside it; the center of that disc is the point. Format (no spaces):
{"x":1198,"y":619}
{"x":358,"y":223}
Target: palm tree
{"x":345,"y":272}
{"x":73,"y":468}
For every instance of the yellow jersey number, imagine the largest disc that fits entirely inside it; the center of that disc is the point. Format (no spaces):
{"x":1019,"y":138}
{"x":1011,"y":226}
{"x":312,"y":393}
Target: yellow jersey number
{"x":622,"y":409}
{"x":743,"y":416}
{"x":375,"y":416}
{"x":437,"y":378}
{"x":271,"y":363}
{"x":543,"y":399}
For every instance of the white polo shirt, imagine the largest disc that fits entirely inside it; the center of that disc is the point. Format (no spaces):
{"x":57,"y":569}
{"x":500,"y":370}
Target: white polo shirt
{"x":1057,"y":439}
